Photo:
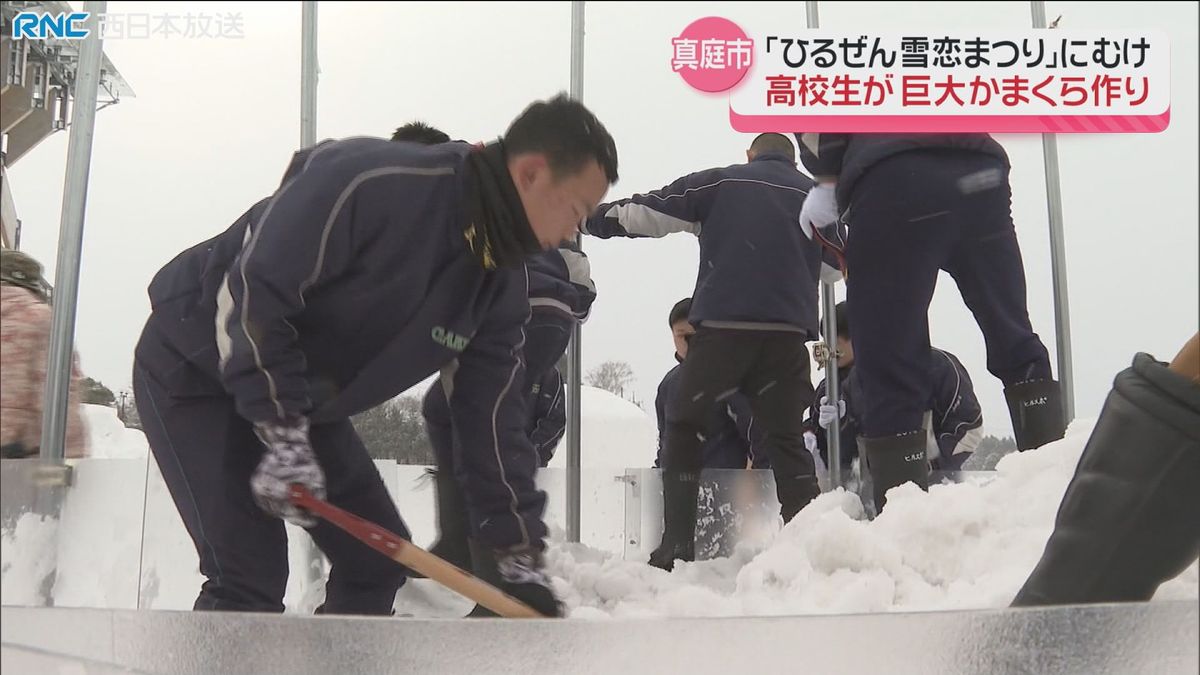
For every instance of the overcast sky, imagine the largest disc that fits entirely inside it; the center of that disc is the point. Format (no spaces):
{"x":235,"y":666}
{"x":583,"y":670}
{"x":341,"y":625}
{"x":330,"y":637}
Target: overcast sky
{"x":215,"y":121}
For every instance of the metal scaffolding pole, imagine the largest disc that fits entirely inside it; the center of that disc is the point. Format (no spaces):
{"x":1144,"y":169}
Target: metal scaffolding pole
{"x":833,"y":387}
{"x":308,"y":137}
{"x":70,"y":249}
{"x":574,"y":353}
{"x":1058,"y":252}
{"x":308,"y":74}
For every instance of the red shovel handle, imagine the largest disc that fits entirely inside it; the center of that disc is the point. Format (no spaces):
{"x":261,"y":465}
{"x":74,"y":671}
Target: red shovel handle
{"x":364,"y":530}
{"x":414,"y":557}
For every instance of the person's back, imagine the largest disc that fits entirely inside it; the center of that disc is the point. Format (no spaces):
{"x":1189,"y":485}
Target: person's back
{"x":849,"y":156}
{"x":756,"y":264}
{"x":361,"y":286}
{"x":25,"y":320}
{"x":754,"y":305}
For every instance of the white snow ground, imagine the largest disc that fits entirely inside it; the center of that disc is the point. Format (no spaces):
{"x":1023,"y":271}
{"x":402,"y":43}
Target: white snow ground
{"x":959,"y":546}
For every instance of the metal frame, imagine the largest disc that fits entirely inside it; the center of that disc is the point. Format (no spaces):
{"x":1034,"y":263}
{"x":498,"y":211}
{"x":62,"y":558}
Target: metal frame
{"x":574,"y":352}
{"x":833,"y":386}
{"x":70,"y":248}
{"x":1058,"y":252}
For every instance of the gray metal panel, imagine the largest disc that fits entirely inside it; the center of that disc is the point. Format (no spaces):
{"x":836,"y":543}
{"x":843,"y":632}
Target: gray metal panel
{"x":23,"y":660}
{"x":1149,"y":638}
{"x":74,"y":633}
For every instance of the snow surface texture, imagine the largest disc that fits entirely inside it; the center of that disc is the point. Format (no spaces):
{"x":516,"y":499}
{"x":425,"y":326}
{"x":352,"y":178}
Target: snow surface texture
{"x":959,"y":546}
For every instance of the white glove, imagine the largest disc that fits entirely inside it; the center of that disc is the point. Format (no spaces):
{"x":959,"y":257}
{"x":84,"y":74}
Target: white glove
{"x":289,"y":459}
{"x":810,"y":443}
{"x":820,"y":208}
{"x":829,"y":412}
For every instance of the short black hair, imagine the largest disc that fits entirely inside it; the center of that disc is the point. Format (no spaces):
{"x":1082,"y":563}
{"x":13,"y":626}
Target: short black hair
{"x":841,"y":320}
{"x":774,"y":143}
{"x":567,"y":133}
{"x":680,"y":312}
{"x":420,"y":132}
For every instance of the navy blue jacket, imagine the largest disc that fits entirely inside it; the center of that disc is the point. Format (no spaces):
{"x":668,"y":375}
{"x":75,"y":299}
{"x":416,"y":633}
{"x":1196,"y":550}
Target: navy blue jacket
{"x":847,"y":157}
{"x":547,"y":414}
{"x":560,"y":280}
{"x":731,"y":438}
{"x":560,"y":294}
{"x":351,"y":284}
{"x":756,"y":265}
{"x":953,"y":406}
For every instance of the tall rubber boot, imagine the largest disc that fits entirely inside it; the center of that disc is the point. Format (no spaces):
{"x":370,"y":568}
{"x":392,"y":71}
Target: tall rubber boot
{"x":453,"y":525}
{"x":895,"y":460}
{"x":1128,"y":520}
{"x":680,"y":490}
{"x":517,"y":573}
{"x":1036,"y":409}
{"x":794,"y":494}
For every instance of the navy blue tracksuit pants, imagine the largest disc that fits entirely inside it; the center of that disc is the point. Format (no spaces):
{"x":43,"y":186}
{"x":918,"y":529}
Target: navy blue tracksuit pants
{"x":911,"y":215}
{"x":546,"y":337}
{"x":207,"y":453}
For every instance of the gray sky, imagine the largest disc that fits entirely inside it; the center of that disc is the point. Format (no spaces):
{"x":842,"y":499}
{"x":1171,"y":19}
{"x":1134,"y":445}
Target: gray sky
{"x":216,"y":120}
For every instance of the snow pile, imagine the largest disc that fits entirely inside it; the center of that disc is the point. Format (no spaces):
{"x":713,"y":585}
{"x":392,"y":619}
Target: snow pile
{"x":614,"y":433}
{"x":959,"y":546}
{"x":26,"y":556}
{"x":108,"y":438}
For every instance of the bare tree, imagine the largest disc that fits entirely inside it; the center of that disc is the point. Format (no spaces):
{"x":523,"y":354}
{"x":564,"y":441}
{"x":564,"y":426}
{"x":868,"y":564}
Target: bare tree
{"x":396,"y":430}
{"x":612,"y":376}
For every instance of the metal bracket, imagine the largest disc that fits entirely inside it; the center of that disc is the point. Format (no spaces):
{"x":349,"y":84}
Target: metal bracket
{"x":54,"y":475}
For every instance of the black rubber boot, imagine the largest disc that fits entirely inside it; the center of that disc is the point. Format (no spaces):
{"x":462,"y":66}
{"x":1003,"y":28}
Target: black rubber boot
{"x":895,"y":460}
{"x":1036,"y":409}
{"x":453,"y":525}
{"x":523,"y":577}
{"x":794,"y":494}
{"x":1128,"y":520}
{"x":679,"y":520}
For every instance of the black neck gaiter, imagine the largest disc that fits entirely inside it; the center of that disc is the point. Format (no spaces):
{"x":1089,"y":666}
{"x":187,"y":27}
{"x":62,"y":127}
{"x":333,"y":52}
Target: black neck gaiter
{"x":499,"y":232}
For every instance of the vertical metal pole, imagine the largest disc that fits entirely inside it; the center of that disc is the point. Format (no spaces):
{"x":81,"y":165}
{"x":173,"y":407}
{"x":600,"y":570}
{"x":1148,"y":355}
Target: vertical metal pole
{"x":1058,"y":252}
{"x":308,"y":137}
{"x":70,"y":241}
{"x":574,"y":353}
{"x":308,"y":74}
{"x":833,"y":387}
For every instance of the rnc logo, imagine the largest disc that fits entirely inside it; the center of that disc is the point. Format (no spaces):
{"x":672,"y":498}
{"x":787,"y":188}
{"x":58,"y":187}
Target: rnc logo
{"x":34,"y":26}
